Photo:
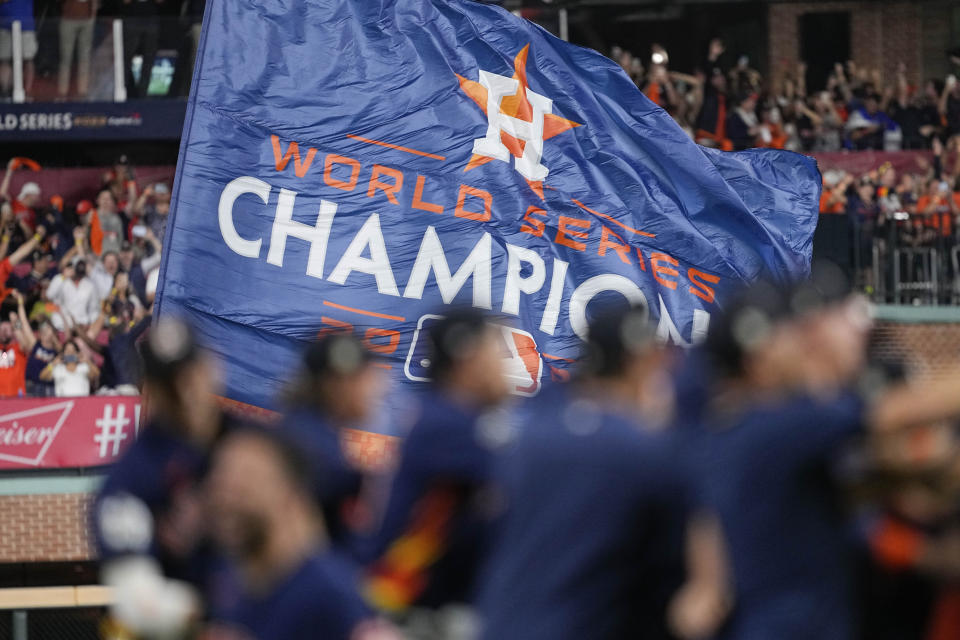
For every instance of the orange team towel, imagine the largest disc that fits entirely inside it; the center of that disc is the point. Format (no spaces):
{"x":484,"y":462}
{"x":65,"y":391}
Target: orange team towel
{"x":20,"y":162}
{"x":6,"y":268}
{"x":96,"y":233}
{"x":653,"y":92}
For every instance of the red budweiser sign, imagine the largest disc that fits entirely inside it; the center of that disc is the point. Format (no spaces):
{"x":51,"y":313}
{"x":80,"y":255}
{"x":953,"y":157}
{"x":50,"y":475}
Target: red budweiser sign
{"x":66,"y":432}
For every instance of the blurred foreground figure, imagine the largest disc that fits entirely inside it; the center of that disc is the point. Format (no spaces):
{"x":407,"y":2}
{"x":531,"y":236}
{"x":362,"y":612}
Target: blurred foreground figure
{"x":339,"y":386}
{"x":147,"y":519}
{"x":594,"y":497}
{"x":282,"y":581}
{"x":910,"y":558}
{"x":435,"y":528}
{"x":784,"y":404}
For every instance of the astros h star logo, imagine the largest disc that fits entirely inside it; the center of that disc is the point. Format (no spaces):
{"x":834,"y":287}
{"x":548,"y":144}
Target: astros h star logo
{"x":519,"y":120}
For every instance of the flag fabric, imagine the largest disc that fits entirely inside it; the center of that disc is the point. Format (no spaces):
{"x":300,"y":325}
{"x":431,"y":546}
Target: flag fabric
{"x":361,"y":164}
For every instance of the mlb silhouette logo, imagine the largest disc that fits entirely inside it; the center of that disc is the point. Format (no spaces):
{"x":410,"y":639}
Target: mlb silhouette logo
{"x":522,"y":362}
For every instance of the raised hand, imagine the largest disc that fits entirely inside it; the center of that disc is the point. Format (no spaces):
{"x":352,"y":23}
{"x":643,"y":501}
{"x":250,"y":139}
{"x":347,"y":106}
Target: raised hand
{"x":716,"y":48}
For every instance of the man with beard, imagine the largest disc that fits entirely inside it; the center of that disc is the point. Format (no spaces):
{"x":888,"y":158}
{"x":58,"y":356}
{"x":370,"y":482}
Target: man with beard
{"x":281,"y":581}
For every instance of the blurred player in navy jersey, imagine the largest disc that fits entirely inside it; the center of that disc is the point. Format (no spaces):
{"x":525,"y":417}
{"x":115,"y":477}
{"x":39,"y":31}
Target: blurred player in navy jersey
{"x":907,"y":523}
{"x":281,"y":580}
{"x":436,"y":524}
{"x":147,"y":519}
{"x":591,"y":544}
{"x":338,"y":386}
{"x":784,"y":404}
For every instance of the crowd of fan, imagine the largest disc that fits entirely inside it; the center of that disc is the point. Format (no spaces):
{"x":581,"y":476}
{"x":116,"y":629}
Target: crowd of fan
{"x":731,"y":106}
{"x":77,"y":285}
{"x":887,"y":210}
{"x":76,"y":35}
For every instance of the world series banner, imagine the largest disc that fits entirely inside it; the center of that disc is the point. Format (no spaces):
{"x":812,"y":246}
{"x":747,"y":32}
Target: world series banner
{"x":364,"y":164}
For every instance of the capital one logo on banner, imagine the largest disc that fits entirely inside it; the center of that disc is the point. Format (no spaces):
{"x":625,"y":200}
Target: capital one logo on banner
{"x":509,"y":171}
{"x":66,"y":433}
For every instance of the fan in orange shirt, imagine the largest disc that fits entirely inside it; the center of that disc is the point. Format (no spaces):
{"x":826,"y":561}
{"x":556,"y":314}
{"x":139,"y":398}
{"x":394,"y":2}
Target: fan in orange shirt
{"x":29,"y":197}
{"x":772,"y":135}
{"x":13,"y":354}
{"x":8,"y":263}
{"x":833,"y":198}
{"x":939,"y":206}
{"x":13,"y":359}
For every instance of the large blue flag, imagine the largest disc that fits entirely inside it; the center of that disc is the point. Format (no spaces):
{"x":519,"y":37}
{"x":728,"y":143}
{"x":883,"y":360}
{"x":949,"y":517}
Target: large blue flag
{"x":362,"y":163}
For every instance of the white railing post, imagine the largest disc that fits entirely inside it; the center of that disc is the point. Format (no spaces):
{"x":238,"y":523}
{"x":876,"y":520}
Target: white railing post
{"x":564,"y":25}
{"x":119,"y":69}
{"x":16,"y":41}
{"x":20,"y":625}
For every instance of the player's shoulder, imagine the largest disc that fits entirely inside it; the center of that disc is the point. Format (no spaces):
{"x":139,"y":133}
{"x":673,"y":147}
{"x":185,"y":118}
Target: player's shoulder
{"x":333,"y":568}
{"x":141,"y":467}
{"x":583,"y":421}
{"x":799,"y":418}
{"x":439,"y":417}
{"x":330,"y":582}
{"x":311,"y":430}
{"x":813,"y":408}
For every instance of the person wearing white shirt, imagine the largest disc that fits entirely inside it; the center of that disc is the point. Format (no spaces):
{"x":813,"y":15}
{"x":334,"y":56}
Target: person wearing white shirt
{"x":72,"y":373}
{"x":103,"y":273}
{"x":75,"y":293}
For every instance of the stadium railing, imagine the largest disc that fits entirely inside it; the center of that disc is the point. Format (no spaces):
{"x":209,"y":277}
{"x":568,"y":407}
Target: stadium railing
{"x":74,"y":612}
{"x":171,"y":42}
